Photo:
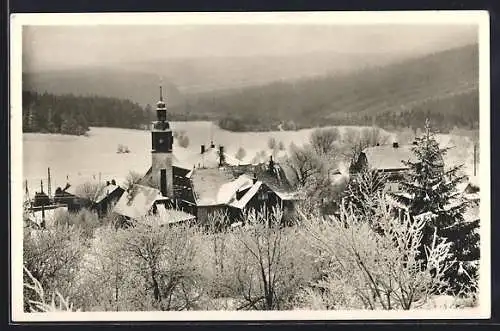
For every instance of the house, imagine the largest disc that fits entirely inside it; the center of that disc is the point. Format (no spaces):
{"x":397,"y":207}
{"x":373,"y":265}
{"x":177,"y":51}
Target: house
{"x":141,"y":201}
{"x":70,"y":196}
{"x":470,"y":189}
{"x":232,"y":190}
{"x":388,"y":159}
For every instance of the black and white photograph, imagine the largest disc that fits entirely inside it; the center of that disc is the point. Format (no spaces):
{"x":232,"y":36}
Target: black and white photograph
{"x":213,"y":166}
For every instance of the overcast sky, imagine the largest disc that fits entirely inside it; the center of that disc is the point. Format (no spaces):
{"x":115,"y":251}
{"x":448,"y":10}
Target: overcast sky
{"x":68,"y":46}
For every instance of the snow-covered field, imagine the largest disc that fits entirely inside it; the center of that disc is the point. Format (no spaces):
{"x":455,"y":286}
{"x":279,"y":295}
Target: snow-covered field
{"x":82,"y":158}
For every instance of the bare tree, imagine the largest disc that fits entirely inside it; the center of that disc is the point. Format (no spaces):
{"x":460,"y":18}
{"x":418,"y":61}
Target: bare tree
{"x":323,"y":140}
{"x":272,"y":143}
{"x":305,"y":164}
{"x":183,"y":141}
{"x":132,"y":179}
{"x":364,"y":190}
{"x":281,"y":146}
{"x":365,"y":269}
{"x":88,"y":190}
{"x":355,"y":141}
{"x":163,"y":257}
{"x":40,"y":304}
{"x":269,"y":268}
{"x":52,"y":257}
{"x":240,"y":154}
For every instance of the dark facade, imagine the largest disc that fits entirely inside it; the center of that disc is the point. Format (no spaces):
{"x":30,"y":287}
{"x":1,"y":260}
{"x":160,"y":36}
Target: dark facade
{"x":104,"y":205}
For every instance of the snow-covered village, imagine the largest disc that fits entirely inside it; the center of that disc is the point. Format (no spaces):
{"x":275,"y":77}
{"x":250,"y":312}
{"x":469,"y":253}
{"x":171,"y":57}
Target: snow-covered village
{"x":236,"y":182}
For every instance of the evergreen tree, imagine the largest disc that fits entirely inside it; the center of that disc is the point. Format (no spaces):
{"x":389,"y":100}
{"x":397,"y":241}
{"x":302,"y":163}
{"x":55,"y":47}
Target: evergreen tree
{"x":429,"y":188}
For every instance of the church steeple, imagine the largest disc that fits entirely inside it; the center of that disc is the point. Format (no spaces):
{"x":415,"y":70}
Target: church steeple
{"x":161,"y":108}
{"x":162,"y":141}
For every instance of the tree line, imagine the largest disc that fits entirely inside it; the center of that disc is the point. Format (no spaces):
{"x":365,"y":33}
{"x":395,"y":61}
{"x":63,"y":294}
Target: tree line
{"x":72,"y":114}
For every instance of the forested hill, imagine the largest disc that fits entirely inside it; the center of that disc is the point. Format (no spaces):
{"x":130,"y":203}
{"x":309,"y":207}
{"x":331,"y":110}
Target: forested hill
{"x":70,"y":114}
{"x":442,"y":86}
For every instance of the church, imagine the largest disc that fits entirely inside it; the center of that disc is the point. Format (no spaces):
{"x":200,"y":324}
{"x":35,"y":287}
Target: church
{"x":195,"y":187}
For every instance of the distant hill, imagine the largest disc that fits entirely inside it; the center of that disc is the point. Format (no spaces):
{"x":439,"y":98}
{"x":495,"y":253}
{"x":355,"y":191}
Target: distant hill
{"x":259,"y":94}
{"x":138,"y":81}
{"x":437,"y":85}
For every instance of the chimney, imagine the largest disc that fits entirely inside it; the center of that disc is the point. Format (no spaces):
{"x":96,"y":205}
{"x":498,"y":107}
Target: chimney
{"x":202,"y":149}
{"x":212,"y":145}
{"x":271,"y":163}
{"x":221,"y":156}
{"x":254,"y":177}
{"x":113,"y":182}
{"x":163,"y":182}
{"x":395,"y":145}
{"x":107,"y":183}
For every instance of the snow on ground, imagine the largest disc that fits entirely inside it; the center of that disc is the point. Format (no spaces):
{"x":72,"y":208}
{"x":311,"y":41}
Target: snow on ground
{"x":80,"y":159}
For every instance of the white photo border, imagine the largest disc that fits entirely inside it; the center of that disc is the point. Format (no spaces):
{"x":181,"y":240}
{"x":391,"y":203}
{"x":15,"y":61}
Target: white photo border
{"x":479,"y":18}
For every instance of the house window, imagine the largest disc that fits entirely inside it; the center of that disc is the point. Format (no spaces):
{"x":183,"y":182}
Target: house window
{"x":393,"y":186}
{"x":263,"y":196}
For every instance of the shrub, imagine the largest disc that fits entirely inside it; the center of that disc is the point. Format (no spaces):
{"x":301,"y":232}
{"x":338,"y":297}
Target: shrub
{"x":183,"y":141}
{"x":240,"y":154}
{"x":86,"y":220}
{"x":367,"y":269}
{"x":272,"y":143}
{"x":58,"y":303}
{"x":88,"y":190}
{"x":266,"y":267}
{"x":52,"y":257}
{"x":162,"y":257}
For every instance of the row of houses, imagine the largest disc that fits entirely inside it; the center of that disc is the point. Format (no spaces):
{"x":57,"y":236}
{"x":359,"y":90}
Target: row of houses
{"x":389,"y":160}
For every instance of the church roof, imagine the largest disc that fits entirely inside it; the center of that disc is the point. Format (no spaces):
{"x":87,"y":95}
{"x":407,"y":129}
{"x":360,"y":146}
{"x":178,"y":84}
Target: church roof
{"x":207,"y":184}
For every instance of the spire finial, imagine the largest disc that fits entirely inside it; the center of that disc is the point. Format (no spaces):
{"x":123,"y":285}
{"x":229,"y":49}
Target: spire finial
{"x":161,"y":93}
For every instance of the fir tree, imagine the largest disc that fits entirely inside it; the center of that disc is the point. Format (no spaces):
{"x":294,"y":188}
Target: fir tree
{"x":430,"y":188}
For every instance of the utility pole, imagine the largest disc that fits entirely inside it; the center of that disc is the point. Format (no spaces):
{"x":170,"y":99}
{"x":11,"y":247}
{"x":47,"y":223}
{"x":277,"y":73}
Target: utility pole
{"x":474,"y":159}
{"x":49,"y":189}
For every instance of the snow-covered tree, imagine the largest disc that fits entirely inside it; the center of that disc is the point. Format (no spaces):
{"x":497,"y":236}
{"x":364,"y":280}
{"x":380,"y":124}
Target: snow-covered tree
{"x":364,"y":191}
{"x":431,"y":188}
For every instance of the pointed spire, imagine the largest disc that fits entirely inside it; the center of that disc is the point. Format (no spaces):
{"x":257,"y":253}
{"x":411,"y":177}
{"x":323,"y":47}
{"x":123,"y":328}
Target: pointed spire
{"x":161,"y":93}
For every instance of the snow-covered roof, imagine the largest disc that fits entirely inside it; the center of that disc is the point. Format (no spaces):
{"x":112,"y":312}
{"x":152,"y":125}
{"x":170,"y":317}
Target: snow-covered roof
{"x":137,"y":202}
{"x":289,"y":196}
{"x":474,"y":180}
{"x":242,"y":202}
{"x":387,"y":157}
{"x":207,"y":183}
{"x":171,"y":216}
{"x":209,"y":159}
{"x":227,"y":191}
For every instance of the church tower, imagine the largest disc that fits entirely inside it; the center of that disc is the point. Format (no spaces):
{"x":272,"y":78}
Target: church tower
{"x":161,"y":153}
